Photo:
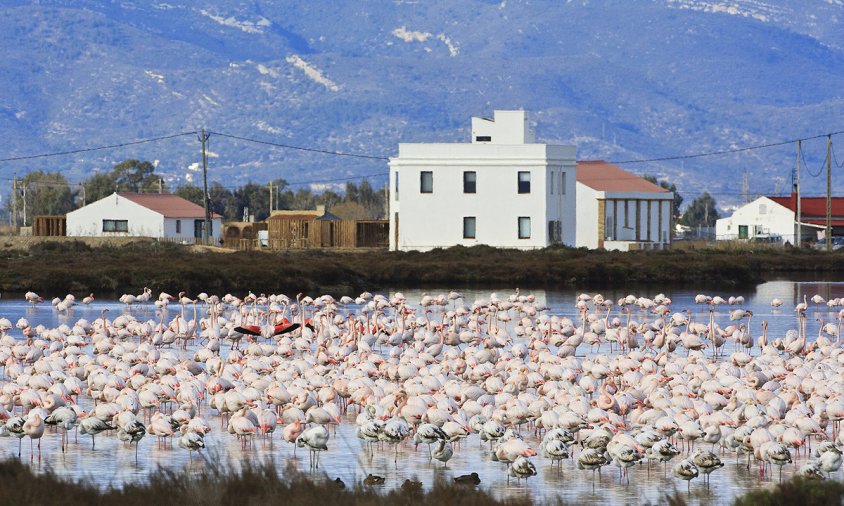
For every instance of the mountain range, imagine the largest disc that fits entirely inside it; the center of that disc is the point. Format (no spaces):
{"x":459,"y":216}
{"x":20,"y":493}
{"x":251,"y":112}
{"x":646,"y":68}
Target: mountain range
{"x":622,"y":79}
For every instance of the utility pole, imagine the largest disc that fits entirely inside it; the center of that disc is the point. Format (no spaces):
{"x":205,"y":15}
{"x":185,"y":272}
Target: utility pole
{"x":24,"y":203}
{"x":798,"y":240}
{"x":270,"y":184}
{"x":829,"y":192}
{"x":203,"y":137}
{"x":745,"y":189}
{"x":160,"y":185}
{"x":15,"y":202}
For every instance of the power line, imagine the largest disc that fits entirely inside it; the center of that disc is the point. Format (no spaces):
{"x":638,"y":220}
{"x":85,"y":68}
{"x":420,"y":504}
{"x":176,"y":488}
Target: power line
{"x":98,"y":148}
{"x":299,"y":148}
{"x":724,"y":152}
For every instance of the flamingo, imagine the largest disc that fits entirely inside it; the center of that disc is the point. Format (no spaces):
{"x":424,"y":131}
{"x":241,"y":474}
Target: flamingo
{"x":315,"y":439}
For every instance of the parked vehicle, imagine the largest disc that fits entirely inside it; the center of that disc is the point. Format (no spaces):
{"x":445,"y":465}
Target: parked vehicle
{"x":837,"y":243}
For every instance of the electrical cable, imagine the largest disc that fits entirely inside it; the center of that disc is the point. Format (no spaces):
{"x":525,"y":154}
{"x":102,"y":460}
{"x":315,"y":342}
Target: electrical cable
{"x":97,"y":148}
{"x":299,"y":148}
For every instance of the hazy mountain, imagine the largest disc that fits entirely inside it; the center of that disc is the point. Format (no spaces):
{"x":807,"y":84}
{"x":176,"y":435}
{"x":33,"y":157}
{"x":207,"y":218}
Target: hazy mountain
{"x":625,"y":79}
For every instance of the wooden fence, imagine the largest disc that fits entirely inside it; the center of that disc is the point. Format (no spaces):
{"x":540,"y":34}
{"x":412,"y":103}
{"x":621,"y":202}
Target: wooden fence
{"x":49,"y":226}
{"x":305,"y":233}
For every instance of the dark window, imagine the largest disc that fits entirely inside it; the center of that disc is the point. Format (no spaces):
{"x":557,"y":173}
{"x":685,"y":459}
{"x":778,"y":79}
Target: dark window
{"x":524,"y":182}
{"x":524,"y":227}
{"x":178,"y":226}
{"x":115,"y":225}
{"x":470,"y":179}
{"x":468,"y":227}
{"x":426,"y":182}
{"x":483,"y":138}
{"x":397,"y":185}
{"x":305,"y":230}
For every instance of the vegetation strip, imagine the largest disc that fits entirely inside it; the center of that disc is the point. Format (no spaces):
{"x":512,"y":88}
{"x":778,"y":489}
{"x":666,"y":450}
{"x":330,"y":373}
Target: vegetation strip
{"x":74,"y":266}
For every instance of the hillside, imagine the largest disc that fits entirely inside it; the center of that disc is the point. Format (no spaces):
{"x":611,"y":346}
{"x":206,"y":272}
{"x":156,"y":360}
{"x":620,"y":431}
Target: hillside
{"x":622,"y":80}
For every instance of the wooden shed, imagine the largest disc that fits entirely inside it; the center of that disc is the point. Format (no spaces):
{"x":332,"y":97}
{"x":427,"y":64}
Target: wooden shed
{"x":321,"y":229}
{"x":49,"y":226}
{"x":242,"y":235}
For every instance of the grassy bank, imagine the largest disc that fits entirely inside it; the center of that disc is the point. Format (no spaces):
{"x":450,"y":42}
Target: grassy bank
{"x":263,"y":484}
{"x":72,"y":266}
{"x":257,"y":485}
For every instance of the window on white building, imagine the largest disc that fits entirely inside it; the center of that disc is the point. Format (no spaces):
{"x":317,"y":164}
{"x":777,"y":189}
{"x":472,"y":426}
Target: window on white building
{"x":470,"y":181}
{"x":524,"y":182}
{"x":178,"y":226}
{"x":524,"y":227}
{"x":397,"y":185}
{"x":562,"y":183}
{"x":553,"y":176}
{"x":468,"y":227}
{"x":426,"y":182}
{"x":115,"y":225}
{"x":483,"y":138}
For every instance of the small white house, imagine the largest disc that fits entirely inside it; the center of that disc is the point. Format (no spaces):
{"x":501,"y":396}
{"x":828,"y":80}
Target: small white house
{"x":503,"y":189}
{"x":617,"y":210}
{"x":160,"y":215}
{"x":773,"y":219}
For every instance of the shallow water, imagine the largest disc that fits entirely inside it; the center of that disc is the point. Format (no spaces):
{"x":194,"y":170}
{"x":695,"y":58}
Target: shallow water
{"x":112,"y":463}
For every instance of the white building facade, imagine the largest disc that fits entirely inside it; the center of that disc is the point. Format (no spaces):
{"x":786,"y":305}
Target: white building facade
{"x":501,"y":190}
{"x":768,"y":218}
{"x":142,"y":215}
{"x":617,"y":210}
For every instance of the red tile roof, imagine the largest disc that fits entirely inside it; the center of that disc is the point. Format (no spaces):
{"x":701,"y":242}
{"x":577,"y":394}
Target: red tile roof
{"x":813,"y":209}
{"x":604,"y":176}
{"x":168,"y":205}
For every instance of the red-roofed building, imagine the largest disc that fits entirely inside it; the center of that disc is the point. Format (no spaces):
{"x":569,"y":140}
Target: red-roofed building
{"x":160,"y":215}
{"x":618,"y":210}
{"x":774,"y":219}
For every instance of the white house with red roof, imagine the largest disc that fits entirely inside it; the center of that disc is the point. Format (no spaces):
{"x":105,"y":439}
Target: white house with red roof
{"x":160,"y":215}
{"x":618,"y":210}
{"x":502,"y":189}
{"x":773,"y":219}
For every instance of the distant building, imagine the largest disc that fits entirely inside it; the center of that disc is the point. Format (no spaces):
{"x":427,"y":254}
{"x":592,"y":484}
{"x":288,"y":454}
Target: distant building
{"x":617,"y":210}
{"x":773,"y":219}
{"x":159,"y":215}
{"x":293,"y":229}
{"x":502,"y":189}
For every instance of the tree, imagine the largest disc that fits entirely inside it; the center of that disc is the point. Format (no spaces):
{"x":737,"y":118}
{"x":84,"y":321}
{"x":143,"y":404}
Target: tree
{"x":702,"y":212}
{"x":678,"y":199}
{"x":222,"y":202}
{"x":43,"y":193}
{"x":254,"y":196}
{"x":191,"y":192}
{"x":98,"y":186}
{"x":137,"y":176}
{"x":127,"y":176}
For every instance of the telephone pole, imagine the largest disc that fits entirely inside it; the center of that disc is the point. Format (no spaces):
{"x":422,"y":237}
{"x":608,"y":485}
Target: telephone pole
{"x":203,"y":137}
{"x":270,"y":184}
{"x":798,"y":240}
{"x":15,"y":202}
{"x":829,"y":192}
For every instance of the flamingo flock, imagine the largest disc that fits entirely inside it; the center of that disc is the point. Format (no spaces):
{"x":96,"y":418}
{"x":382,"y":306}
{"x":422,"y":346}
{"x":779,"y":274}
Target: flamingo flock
{"x":628,"y":384}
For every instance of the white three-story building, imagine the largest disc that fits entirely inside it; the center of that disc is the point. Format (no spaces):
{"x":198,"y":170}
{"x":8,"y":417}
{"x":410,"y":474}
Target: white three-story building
{"x":502,"y":189}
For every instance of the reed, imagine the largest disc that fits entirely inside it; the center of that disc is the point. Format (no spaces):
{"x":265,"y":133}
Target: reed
{"x":216,"y":485}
